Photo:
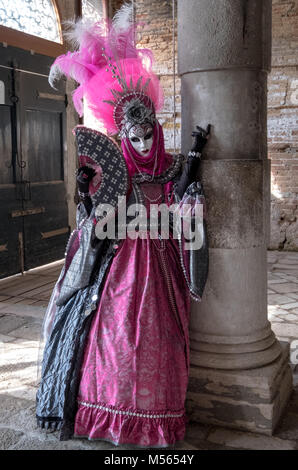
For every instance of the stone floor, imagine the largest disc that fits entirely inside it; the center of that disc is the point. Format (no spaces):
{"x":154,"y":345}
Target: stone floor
{"x":23,"y":300}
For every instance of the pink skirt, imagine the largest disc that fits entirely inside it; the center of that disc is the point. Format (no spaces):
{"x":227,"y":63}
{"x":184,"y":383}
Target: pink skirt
{"x":135,"y":368}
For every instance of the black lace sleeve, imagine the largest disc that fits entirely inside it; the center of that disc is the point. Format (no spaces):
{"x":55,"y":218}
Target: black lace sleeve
{"x":87,"y":204}
{"x":188,"y":174}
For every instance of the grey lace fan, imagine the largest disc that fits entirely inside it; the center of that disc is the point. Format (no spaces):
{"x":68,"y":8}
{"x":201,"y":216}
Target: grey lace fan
{"x":99,"y":151}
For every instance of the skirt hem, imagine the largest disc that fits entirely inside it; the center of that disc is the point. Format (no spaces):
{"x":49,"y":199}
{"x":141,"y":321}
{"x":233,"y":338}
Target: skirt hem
{"x":120,"y":429}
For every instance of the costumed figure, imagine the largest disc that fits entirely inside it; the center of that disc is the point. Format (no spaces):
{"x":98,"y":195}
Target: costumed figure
{"x":116,"y":359}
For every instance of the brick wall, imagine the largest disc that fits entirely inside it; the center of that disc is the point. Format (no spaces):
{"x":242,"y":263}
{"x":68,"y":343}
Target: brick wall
{"x":156,"y":33}
{"x":283,"y":125}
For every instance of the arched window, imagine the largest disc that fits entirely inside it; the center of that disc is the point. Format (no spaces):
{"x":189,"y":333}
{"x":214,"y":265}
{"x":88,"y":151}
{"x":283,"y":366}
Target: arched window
{"x":31,"y":24}
{"x":36,"y":17}
{"x":92,"y":9}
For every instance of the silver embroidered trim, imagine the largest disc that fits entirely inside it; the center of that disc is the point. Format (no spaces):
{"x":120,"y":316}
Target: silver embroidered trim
{"x":130,"y":413}
{"x":164,"y":177}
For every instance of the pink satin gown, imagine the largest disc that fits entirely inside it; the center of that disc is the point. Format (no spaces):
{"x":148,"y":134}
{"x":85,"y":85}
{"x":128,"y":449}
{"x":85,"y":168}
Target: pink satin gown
{"x":135,"y":368}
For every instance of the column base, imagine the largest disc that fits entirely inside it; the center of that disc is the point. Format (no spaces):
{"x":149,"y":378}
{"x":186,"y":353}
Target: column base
{"x":251,"y":400}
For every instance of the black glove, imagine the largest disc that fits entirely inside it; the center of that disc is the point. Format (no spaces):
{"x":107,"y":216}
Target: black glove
{"x":191,"y":166}
{"x":201,"y":137}
{"x":84,"y":176}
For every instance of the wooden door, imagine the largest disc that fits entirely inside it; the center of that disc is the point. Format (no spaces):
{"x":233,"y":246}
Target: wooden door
{"x":10,"y":172}
{"x":34,"y":215}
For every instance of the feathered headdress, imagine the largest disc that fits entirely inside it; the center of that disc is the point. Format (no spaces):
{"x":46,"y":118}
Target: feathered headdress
{"x":114,"y":76}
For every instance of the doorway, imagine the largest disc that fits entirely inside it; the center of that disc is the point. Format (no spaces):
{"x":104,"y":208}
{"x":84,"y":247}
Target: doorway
{"x":33,"y":206}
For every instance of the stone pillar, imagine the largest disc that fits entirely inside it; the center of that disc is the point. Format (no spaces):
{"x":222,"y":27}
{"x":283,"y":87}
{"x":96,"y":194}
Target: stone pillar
{"x":240,"y":376}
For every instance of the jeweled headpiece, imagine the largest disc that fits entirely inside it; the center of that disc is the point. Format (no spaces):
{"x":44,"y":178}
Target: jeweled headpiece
{"x":114,"y":76}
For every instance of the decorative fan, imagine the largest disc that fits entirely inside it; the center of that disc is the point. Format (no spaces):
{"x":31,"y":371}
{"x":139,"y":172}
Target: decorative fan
{"x":105,"y":157}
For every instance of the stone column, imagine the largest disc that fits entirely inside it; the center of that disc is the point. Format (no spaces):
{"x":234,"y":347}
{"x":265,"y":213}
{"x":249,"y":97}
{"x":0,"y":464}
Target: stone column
{"x":240,"y":375}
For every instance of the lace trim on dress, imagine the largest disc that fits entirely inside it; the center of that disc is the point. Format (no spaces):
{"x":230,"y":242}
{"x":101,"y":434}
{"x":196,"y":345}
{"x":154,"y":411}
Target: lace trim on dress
{"x":131,"y":413}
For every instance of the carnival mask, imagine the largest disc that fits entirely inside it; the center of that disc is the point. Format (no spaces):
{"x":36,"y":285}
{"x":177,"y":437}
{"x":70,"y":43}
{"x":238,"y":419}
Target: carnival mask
{"x":141,"y":138}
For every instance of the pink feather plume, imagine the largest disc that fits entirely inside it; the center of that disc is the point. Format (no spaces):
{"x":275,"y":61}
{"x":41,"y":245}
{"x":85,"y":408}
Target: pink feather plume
{"x":88,"y":64}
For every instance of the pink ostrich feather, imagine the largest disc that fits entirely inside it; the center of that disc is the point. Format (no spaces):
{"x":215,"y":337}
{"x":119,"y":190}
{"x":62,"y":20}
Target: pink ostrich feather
{"x":101,"y":87}
{"x":98,"y":45}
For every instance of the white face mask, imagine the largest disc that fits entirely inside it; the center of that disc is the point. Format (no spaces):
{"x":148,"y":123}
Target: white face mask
{"x":141,"y":138}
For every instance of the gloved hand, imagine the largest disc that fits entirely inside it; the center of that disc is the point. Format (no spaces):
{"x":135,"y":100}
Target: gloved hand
{"x":201,"y":137}
{"x":194,"y":158}
{"x":84,"y":176}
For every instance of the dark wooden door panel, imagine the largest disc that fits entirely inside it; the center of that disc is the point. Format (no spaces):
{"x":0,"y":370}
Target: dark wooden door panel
{"x":42,"y":145}
{"x":45,"y":233}
{"x":33,"y":206}
{"x":11,"y":229}
{"x":6,"y":166}
{"x":42,"y":131}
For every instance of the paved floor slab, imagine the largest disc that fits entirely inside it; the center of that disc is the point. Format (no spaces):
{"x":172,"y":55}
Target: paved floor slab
{"x":23,"y":301}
